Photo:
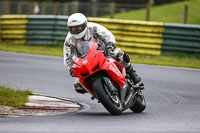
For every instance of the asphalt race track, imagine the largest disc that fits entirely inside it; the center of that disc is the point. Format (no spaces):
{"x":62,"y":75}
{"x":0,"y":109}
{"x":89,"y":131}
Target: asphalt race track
{"x":172,"y":96}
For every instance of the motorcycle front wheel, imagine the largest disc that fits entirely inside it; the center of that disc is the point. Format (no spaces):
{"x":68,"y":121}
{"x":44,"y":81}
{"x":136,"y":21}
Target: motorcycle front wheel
{"x":110,"y":102}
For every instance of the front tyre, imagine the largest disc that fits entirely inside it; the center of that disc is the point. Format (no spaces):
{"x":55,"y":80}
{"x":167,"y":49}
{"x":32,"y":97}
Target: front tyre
{"x":110,"y":102}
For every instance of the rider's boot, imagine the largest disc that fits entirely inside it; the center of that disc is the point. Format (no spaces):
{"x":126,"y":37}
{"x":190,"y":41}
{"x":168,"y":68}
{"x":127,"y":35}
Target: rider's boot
{"x":79,"y":89}
{"x":132,"y":73}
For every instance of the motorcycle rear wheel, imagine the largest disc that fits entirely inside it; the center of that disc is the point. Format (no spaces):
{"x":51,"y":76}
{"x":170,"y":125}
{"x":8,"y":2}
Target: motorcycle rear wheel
{"x":140,"y":104}
{"x":111,"y":103}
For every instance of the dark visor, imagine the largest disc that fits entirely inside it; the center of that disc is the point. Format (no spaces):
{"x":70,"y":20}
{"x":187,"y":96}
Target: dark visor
{"x":77,"y":29}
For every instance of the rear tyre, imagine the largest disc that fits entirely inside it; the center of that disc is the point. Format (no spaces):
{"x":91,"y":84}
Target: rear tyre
{"x":139,"y":105}
{"x":110,"y":102}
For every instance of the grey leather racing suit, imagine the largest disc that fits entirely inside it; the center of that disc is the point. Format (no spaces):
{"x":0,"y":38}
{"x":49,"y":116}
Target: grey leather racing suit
{"x":99,"y":34}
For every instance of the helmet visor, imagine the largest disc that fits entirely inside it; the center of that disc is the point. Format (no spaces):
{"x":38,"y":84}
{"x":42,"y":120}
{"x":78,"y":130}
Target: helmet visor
{"x":77,"y":29}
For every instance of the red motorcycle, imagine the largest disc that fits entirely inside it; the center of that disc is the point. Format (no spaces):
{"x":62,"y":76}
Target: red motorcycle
{"x":106,"y":80}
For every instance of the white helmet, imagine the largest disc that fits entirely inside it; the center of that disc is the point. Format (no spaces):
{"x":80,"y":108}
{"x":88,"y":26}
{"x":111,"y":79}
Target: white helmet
{"x":77,"y":25}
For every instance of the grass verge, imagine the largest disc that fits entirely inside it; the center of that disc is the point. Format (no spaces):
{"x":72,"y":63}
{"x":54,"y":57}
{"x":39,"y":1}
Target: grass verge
{"x":166,"y":61}
{"x":135,"y":58}
{"x":55,"y":50}
{"x":172,"y":13}
{"x":13,"y":98}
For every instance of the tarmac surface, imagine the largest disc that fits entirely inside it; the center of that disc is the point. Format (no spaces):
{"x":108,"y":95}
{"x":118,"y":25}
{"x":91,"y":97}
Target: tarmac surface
{"x":39,"y":105}
{"x":172,"y":97}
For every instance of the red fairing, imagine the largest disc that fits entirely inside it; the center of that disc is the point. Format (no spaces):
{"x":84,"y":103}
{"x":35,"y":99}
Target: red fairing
{"x":94,"y":62}
{"x":118,"y":76}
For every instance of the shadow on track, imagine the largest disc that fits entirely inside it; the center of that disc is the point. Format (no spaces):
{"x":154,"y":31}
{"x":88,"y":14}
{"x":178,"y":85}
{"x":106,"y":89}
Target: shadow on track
{"x":107,"y":114}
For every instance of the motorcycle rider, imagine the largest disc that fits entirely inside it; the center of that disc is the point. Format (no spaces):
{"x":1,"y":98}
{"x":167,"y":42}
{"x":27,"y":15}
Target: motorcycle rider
{"x":82,"y":30}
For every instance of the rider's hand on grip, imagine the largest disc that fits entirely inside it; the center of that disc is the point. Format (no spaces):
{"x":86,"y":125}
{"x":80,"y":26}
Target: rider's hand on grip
{"x":108,"y":52}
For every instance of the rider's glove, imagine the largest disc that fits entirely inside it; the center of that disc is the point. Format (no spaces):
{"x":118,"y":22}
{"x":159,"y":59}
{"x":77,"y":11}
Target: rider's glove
{"x":110,"y":45}
{"x":108,"y":52}
{"x":109,"y":48}
{"x":71,"y":72}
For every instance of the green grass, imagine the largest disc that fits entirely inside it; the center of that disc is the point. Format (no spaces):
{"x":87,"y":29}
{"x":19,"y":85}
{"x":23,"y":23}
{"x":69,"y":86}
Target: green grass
{"x":166,"y":61}
{"x":13,"y":98}
{"x":31,"y":49}
{"x":57,"y":50}
{"x":172,"y":13}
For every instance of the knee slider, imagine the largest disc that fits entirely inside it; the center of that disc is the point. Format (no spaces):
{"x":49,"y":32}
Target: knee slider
{"x":126,"y":58}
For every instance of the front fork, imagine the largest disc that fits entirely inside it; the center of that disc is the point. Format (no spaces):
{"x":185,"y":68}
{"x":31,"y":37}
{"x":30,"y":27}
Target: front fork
{"x":111,"y":88}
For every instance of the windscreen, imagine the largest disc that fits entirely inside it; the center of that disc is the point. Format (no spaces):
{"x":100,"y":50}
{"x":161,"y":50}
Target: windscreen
{"x":82,"y":48}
